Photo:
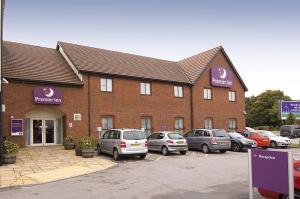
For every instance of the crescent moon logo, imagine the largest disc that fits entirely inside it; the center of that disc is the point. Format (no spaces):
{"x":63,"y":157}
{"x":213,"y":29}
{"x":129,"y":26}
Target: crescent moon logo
{"x":224,"y":74}
{"x":49,"y":92}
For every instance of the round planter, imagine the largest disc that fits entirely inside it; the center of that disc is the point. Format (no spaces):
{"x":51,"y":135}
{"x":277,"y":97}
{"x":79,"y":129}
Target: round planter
{"x":9,"y":158}
{"x":69,"y":146}
{"x":88,"y":153}
{"x":78,"y":151}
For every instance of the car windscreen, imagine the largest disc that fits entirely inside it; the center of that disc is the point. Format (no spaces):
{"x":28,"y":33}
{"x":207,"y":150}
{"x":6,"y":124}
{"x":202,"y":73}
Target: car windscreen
{"x":236,"y":135}
{"x":220,"y":133}
{"x":175,"y":136}
{"x":134,"y":135}
{"x":266,"y":134}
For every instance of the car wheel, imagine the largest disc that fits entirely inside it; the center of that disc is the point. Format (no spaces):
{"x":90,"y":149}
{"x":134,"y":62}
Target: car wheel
{"x":143,"y":156}
{"x":223,"y":150}
{"x":164,"y":150}
{"x":236,"y":147}
{"x":116,"y":154}
{"x":182,"y":152}
{"x":205,"y":148}
{"x":99,"y":149}
{"x":273,"y":145}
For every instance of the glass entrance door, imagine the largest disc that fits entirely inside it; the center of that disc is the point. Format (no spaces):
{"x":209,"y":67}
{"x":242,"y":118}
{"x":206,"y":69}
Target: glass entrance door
{"x":37,"y":132}
{"x":43,"y":132}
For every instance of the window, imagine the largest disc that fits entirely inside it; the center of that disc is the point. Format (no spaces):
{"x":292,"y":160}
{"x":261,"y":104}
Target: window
{"x":107,"y":123}
{"x":105,"y":136}
{"x":208,"y":123}
{"x":145,"y":88}
{"x":77,"y":117}
{"x":178,"y":125}
{"x":154,"y":136}
{"x":206,"y":134}
{"x":115,"y":134}
{"x":106,"y":85}
{"x":198,"y":133}
{"x":178,"y":91}
{"x":207,"y":92}
{"x":147,"y":125}
{"x":231,"y":96}
{"x":232,"y":124}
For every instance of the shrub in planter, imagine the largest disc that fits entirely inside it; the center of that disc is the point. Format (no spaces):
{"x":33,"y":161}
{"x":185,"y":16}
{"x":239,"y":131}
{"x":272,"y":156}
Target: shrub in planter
{"x":78,"y":150}
{"x":69,"y":143}
{"x":87,"y":146}
{"x":10,"y":150}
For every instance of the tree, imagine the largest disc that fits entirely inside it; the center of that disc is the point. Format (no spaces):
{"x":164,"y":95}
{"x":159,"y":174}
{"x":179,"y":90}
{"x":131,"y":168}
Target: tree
{"x":291,"y":119}
{"x":263,"y":110}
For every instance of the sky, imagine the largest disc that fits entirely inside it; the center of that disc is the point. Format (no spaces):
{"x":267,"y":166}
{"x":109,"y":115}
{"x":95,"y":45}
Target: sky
{"x":261,"y":37}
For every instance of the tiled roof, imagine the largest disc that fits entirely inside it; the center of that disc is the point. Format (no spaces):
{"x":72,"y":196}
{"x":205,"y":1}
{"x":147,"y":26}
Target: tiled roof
{"x":34,"y":63}
{"x":89,"y":59}
{"x":195,"y":65}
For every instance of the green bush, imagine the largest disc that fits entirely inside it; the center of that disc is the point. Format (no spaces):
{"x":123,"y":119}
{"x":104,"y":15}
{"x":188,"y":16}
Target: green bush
{"x":86,"y":143}
{"x":69,"y":140}
{"x":10,"y":147}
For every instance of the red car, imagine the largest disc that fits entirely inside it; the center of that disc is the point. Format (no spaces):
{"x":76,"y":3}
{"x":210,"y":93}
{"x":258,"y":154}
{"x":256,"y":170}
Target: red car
{"x":263,"y":142}
{"x":274,"y":195}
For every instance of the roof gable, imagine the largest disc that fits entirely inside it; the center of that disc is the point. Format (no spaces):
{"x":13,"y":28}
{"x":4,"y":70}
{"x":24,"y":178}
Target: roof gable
{"x":195,"y":65}
{"x":35,"y":63}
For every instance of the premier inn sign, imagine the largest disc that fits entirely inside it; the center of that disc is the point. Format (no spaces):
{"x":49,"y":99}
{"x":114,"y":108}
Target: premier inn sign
{"x":221,"y":77}
{"x":47,"y":95}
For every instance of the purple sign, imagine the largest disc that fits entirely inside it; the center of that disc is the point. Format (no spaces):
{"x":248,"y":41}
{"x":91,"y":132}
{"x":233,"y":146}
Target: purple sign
{"x":221,"y":77}
{"x":16,"y":126}
{"x":270,"y":170}
{"x":47,"y":95}
{"x":288,"y":107}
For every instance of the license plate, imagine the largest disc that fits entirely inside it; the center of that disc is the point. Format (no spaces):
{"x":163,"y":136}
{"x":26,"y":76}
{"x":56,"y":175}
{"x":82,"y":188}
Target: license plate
{"x":180,"y":142}
{"x":135,"y":145}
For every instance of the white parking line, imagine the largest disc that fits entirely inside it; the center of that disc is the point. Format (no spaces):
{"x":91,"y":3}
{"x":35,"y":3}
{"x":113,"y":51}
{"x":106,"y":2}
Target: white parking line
{"x":160,"y":157}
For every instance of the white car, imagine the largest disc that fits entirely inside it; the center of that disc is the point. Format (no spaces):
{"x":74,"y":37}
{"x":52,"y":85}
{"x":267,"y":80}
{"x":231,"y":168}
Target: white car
{"x":275,"y":140}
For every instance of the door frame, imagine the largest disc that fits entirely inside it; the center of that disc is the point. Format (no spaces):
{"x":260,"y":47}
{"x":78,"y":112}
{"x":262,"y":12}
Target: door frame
{"x":43,"y":131}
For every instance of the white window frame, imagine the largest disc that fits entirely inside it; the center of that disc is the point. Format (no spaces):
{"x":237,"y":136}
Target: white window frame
{"x":106,"y":85}
{"x":232,"y":96}
{"x":178,"y":91}
{"x":207,"y":93}
{"x":107,"y":122}
{"x":145,"y":88}
{"x":179,"y":125}
{"x":77,"y":116}
{"x":208,"y":123}
{"x":146,"y":124}
{"x":232,"y":124}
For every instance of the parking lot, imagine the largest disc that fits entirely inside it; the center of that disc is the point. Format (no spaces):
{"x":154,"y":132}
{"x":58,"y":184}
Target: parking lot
{"x":194,"y":175}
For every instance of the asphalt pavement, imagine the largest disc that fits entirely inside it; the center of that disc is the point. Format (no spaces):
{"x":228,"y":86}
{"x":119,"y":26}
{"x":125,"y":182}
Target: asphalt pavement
{"x":195,"y":175}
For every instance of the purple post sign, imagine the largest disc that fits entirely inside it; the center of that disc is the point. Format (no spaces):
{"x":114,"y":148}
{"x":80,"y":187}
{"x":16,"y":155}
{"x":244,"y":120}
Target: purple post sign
{"x":16,"y":126}
{"x":270,"y":170}
{"x":47,"y":95}
{"x":221,"y":77}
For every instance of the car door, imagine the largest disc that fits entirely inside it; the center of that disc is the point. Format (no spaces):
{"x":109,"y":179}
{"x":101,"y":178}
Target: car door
{"x":206,"y":138}
{"x":114,"y":138}
{"x":160,"y":141}
{"x":189,"y":139}
{"x":198,"y":139}
{"x":152,"y":141}
{"x":104,"y":142}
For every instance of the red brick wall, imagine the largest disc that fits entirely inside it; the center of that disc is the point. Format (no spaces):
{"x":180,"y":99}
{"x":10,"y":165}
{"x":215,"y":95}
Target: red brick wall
{"x":18,"y":98}
{"x":127,"y":105}
{"x":220,"y":108}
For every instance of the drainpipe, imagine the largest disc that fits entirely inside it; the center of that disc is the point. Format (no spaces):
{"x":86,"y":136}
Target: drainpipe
{"x":191,"y":106}
{"x":89,"y":105}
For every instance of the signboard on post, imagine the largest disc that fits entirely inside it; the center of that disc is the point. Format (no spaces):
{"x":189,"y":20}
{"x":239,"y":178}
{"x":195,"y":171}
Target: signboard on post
{"x":221,"y":77}
{"x":290,"y":107}
{"x":16,"y":126}
{"x":271,"y":170}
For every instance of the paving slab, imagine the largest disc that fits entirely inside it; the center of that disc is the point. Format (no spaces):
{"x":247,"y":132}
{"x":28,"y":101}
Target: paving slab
{"x":37,"y":165}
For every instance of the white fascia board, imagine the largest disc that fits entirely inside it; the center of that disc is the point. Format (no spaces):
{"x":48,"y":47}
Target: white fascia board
{"x":61,"y":50}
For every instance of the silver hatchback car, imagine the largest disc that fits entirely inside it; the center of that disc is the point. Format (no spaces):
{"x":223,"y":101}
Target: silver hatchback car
{"x":123,"y":142}
{"x":166,"y":142}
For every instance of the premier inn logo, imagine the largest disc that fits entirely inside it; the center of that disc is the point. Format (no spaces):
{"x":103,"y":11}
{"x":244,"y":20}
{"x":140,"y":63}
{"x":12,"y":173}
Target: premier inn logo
{"x":266,"y":157}
{"x":221,"y":77}
{"x":47,"y":95}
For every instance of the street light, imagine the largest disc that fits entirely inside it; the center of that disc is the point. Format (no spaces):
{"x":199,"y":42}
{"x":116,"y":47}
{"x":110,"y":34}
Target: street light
{"x":1,"y":81}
